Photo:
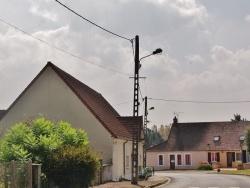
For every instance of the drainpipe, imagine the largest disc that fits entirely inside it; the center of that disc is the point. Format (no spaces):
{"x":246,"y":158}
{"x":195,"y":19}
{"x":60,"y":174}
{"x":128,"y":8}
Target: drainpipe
{"x":124,"y":158}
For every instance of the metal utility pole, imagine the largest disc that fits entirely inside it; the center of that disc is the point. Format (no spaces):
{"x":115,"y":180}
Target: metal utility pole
{"x":136,"y":126}
{"x":145,"y":132}
{"x":136,"y":131}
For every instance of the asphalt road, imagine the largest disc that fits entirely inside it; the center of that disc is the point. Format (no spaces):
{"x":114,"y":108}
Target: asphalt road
{"x":194,"y":179}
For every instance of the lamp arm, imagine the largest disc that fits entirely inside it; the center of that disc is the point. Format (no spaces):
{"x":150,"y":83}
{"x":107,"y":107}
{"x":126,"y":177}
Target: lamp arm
{"x":145,"y":56}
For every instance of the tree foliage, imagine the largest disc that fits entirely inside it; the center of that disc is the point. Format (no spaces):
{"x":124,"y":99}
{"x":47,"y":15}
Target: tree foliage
{"x":237,"y":117}
{"x":247,"y":139}
{"x":43,"y":142}
{"x":156,"y":135}
{"x":71,"y":166}
{"x":164,"y":131}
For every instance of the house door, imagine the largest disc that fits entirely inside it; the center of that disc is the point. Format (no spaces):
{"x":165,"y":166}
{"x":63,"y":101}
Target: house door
{"x":172,"y":162}
{"x":230,"y":158}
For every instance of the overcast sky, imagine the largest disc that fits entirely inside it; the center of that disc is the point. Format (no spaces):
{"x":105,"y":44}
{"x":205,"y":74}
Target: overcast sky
{"x":205,"y":43}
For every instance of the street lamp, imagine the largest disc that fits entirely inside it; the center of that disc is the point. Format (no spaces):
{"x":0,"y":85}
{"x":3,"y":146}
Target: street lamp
{"x":136,"y":131}
{"x":157,"y":51}
{"x":145,"y":131}
{"x":241,"y":140}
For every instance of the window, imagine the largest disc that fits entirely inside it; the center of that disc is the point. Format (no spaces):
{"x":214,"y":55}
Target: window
{"x":127,"y":161}
{"x":187,"y":159}
{"x":160,"y":160}
{"x":214,"y":157}
{"x":140,"y":159}
{"x":179,"y":161}
{"x":238,"y":156}
{"x":242,"y":138}
{"x":216,"y":138}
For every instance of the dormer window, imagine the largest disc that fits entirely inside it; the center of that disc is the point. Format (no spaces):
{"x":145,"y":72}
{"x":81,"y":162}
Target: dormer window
{"x":242,"y":138}
{"x":216,"y":138}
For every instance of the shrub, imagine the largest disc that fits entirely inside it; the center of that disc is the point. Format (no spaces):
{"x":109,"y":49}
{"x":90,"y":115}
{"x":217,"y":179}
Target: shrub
{"x":63,"y":151}
{"x":70,"y":166}
{"x":204,"y":167}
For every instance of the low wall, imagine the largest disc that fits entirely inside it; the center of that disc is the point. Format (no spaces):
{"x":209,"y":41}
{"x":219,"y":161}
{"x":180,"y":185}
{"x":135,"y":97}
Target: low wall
{"x":106,"y":173}
{"x":246,"y":165}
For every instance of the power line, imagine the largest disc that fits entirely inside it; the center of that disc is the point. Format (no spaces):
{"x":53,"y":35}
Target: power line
{"x":122,"y":103}
{"x":205,"y":102}
{"x":78,"y":57}
{"x":131,"y":40}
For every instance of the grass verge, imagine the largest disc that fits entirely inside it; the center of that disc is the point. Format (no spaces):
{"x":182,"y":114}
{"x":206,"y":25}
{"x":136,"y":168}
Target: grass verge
{"x":235,"y":172}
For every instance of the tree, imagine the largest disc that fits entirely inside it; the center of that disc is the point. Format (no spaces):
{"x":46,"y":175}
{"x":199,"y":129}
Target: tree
{"x":164,"y":131}
{"x":40,"y":140}
{"x":153,"y":137}
{"x":247,"y":138}
{"x":237,"y":117}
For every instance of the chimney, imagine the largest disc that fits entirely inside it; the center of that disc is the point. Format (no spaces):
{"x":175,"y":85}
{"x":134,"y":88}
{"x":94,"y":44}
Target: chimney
{"x":175,"y":120}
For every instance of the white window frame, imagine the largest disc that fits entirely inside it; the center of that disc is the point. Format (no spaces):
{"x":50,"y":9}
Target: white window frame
{"x":186,"y":160}
{"x":158,"y":159}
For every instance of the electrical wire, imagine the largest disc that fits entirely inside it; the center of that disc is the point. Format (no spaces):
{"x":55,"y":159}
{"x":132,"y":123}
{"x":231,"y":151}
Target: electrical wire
{"x":205,"y":102}
{"x":123,"y":103}
{"x":131,"y":40}
{"x":62,"y":49}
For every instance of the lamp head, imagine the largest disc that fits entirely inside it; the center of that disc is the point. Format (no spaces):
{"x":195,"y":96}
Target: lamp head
{"x":152,"y":108}
{"x":157,"y":51}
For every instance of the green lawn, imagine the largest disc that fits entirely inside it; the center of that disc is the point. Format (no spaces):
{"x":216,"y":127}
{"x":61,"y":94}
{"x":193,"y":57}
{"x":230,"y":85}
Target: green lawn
{"x":235,"y":172}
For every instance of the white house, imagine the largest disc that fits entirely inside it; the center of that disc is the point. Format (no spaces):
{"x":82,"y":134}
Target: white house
{"x":191,"y":144}
{"x":59,"y":96}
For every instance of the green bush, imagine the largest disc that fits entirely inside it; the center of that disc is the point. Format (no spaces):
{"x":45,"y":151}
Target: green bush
{"x":204,"y":167}
{"x":70,"y":166}
{"x":63,"y":151}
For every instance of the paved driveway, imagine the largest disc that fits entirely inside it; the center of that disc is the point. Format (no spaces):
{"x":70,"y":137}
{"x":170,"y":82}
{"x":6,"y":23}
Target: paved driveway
{"x":197,"y":179}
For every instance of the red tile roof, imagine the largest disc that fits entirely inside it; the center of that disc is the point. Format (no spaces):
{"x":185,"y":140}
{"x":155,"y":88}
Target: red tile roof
{"x":2,"y":113}
{"x":129,"y":121}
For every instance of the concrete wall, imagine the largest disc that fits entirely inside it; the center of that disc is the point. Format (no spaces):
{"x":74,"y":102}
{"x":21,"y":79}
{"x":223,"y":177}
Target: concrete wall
{"x":122,"y":161}
{"x":51,"y":97}
{"x":196,"y":158}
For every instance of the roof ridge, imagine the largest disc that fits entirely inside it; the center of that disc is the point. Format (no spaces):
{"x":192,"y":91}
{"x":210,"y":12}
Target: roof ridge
{"x":62,"y":73}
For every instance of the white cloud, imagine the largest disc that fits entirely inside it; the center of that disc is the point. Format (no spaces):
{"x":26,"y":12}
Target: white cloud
{"x":247,"y":18}
{"x":233,"y":62}
{"x":179,"y":27}
{"x":189,"y":9}
{"x":43,"y":13}
{"x":194,"y":58}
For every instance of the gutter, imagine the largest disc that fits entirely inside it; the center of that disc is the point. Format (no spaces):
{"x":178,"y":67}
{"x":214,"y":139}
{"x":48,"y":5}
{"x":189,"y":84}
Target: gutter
{"x":124,"y":158}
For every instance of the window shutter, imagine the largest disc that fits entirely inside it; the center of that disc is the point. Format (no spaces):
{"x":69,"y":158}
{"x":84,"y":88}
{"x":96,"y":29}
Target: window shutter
{"x":218,"y":157}
{"x":244,"y":157}
{"x":233,"y":155}
{"x":209,"y":157}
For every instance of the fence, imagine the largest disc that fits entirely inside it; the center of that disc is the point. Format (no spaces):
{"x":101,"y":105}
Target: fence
{"x":16,"y":175}
{"x":104,"y":174}
{"x":28,"y":175}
